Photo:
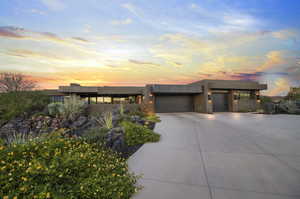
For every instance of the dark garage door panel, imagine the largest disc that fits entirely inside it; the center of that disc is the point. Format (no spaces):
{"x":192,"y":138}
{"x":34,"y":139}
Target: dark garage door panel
{"x":220,"y":102}
{"x":173,"y":103}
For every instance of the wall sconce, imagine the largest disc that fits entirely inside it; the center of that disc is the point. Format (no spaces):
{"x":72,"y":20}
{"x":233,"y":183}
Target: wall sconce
{"x":150,"y":95}
{"x":258,"y":98}
{"x":209,"y":97}
{"x":150,"y":102}
{"x":235,"y":97}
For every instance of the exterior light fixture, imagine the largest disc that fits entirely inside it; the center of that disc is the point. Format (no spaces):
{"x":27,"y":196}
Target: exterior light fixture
{"x":150,"y":95}
{"x":209,"y":97}
{"x":150,"y":102}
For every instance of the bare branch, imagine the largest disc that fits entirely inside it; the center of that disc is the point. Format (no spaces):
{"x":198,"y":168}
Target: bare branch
{"x":14,"y":82}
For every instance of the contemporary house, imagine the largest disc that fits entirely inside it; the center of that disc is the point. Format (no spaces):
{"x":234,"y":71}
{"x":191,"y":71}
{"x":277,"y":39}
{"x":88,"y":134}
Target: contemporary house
{"x":206,"y":96}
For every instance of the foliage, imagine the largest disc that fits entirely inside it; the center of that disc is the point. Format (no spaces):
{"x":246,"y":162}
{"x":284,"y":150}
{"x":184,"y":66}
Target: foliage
{"x":153,"y":118}
{"x":59,"y":167}
{"x":105,"y":121}
{"x":137,"y":134}
{"x":14,"y":104}
{"x":55,"y":108}
{"x":71,"y":107}
{"x":265,"y":99}
{"x":95,"y":135}
{"x":15,"y":82}
{"x":17,"y":138}
{"x":121,"y":109}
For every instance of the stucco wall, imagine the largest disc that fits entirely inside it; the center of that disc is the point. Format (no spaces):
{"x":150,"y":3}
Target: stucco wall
{"x":199,"y":103}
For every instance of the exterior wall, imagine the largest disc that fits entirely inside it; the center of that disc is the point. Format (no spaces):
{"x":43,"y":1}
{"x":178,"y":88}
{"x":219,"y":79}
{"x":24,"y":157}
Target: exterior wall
{"x":199,"y":103}
{"x":100,"y":108}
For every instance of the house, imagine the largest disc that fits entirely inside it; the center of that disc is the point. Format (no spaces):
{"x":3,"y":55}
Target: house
{"x":205,"y":96}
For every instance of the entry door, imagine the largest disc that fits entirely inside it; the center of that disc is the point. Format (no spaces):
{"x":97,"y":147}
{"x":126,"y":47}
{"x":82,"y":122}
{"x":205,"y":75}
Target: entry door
{"x":220,"y":102}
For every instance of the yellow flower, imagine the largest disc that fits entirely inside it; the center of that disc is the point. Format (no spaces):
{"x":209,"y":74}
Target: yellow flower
{"x":1,"y":147}
{"x":15,"y":197}
{"x":48,"y":195}
{"x":5,"y":197}
{"x":24,"y":179}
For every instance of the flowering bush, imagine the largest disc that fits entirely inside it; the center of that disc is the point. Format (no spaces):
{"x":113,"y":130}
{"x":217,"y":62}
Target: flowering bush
{"x":137,"y":134}
{"x":59,"y":167}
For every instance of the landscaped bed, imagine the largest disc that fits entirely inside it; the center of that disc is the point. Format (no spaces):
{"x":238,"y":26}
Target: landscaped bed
{"x":62,"y":151}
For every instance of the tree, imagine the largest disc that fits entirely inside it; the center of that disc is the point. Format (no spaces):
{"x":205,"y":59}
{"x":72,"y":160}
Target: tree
{"x":14,"y":82}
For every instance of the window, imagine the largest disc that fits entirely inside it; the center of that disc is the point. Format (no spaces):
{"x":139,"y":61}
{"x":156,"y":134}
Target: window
{"x":244,"y":95}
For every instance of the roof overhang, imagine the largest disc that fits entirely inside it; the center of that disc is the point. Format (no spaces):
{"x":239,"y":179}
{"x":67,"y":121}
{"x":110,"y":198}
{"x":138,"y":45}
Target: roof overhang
{"x":176,"y":89}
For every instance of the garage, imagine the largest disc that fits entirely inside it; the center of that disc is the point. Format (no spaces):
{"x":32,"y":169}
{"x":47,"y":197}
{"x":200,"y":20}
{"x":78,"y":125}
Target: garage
{"x":220,"y":102}
{"x":174,"y":103}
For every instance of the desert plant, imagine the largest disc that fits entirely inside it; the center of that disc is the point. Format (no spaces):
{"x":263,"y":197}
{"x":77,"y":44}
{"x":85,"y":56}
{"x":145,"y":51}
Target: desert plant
{"x":73,"y":106}
{"x":55,"y":108}
{"x":17,"y":138}
{"x":59,"y":167}
{"x":153,"y":118}
{"x":137,"y":134}
{"x":14,"y":104}
{"x":95,"y":135}
{"x":106,"y":120}
{"x":121,"y":109}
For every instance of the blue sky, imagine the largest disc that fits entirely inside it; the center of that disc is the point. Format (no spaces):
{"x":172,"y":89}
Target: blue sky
{"x":118,"y":42}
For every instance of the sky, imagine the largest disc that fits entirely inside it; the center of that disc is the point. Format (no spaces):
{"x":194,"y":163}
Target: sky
{"x":138,"y":42}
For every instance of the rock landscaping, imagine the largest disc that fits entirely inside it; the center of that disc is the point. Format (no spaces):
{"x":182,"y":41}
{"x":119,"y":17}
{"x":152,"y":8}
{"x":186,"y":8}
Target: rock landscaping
{"x":53,"y":131}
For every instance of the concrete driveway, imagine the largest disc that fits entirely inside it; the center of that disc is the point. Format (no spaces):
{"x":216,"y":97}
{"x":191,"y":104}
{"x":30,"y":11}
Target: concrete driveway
{"x":221,"y":156}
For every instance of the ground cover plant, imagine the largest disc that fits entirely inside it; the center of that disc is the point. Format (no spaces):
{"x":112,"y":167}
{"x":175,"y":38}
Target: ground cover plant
{"x":136,"y":134}
{"x":58,"y":167}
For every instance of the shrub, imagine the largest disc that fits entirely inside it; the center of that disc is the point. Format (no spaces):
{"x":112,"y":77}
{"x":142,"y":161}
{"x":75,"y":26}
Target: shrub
{"x":55,"y":108}
{"x":105,"y":121}
{"x":14,"y":104}
{"x":137,"y":134}
{"x":17,"y":138}
{"x":73,"y":106}
{"x":58,"y":167}
{"x":95,"y":135}
{"x":153,"y":118}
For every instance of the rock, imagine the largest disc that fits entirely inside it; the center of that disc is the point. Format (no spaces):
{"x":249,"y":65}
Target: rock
{"x":79,"y":122}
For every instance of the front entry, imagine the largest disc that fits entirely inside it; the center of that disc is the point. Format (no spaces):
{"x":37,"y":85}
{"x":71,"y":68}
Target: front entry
{"x":220,"y":102}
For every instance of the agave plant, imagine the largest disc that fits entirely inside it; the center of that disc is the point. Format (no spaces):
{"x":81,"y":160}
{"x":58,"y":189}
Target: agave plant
{"x":105,"y":120}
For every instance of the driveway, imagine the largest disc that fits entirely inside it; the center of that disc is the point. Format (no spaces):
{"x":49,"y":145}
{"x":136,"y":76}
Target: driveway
{"x":221,"y":156}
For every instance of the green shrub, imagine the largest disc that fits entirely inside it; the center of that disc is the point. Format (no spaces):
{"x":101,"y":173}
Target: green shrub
{"x":55,"y":108}
{"x":153,"y":118}
{"x":14,"y":104}
{"x":137,"y":134}
{"x":58,"y":167}
{"x":95,"y":135}
{"x":73,"y":106}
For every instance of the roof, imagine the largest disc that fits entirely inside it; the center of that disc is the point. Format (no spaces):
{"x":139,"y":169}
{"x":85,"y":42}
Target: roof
{"x":232,"y":84}
{"x":164,"y":88}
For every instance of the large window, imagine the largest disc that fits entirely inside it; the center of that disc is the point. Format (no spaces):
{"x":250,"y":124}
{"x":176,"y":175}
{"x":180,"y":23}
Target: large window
{"x":244,"y":95}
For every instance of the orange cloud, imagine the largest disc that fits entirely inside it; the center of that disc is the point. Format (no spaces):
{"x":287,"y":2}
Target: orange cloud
{"x":273,"y":59}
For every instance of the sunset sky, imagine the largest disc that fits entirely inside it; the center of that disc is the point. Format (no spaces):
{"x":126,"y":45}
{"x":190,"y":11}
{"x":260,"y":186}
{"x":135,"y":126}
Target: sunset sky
{"x":119,"y":42}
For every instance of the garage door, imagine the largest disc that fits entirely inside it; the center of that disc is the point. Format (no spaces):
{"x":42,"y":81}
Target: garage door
{"x":220,"y":102}
{"x":173,"y":103}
